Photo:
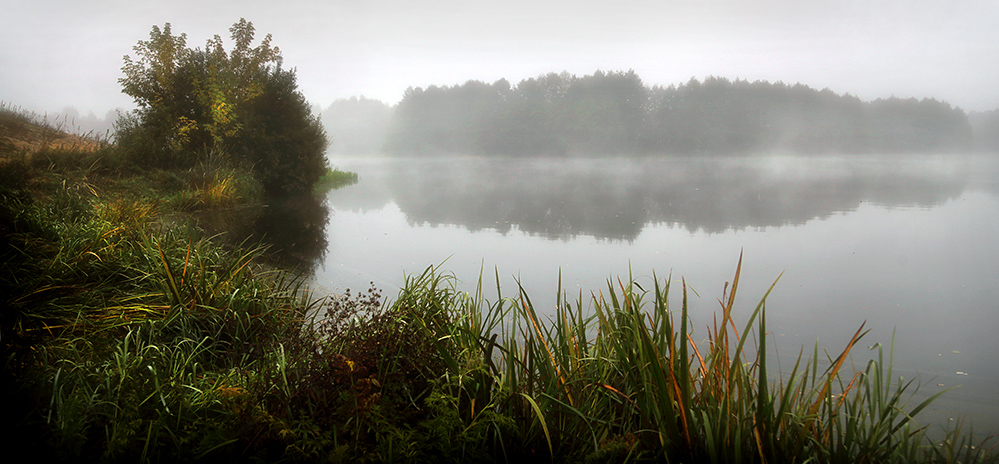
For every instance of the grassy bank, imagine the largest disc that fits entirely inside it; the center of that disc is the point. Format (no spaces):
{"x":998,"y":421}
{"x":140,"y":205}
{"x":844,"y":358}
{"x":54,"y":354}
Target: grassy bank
{"x":121,"y":330}
{"x":130,"y":338}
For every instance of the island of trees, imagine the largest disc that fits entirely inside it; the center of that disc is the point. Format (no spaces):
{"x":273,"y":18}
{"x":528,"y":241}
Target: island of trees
{"x":616,"y":113}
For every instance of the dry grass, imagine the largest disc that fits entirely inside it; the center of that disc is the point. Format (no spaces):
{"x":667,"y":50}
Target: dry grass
{"x":27,"y":133}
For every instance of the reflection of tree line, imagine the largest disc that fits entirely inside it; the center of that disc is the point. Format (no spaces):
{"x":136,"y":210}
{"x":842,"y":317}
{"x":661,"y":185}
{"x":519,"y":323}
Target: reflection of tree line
{"x":564,"y":200}
{"x":293,"y":229}
{"x":614,"y":113}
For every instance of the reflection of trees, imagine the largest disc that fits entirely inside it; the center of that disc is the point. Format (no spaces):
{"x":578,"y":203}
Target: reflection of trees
{"x":615,"y":198}
{"x":296,"y":229}
{"x":293,"y":227}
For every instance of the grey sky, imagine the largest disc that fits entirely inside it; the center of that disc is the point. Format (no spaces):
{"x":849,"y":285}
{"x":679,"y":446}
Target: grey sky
{"x":60,"y":53}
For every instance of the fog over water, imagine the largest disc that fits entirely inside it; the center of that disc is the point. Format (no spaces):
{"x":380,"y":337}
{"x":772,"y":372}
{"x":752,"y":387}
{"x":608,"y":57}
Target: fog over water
{"x":903,"y":243}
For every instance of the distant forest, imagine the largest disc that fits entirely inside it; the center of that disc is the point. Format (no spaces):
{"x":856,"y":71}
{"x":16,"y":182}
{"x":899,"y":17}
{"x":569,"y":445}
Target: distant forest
{"x":613,"y":113}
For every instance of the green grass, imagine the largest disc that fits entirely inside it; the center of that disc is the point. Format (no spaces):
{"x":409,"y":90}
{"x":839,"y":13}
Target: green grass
{"x":121,"y":341}
{"x":333,"y":179}
{"x":122,"y":337}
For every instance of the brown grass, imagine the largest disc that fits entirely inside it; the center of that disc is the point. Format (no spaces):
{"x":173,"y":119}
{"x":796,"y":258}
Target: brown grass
{"x":24,"y":133}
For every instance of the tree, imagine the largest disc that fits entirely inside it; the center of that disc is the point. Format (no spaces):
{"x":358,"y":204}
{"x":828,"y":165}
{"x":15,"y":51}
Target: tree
{"x":281,"y":139}
{"x":240,"y":103}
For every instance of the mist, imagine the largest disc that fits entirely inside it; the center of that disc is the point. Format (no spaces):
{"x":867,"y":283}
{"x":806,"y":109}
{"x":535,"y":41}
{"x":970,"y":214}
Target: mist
{"x":57,"y":54}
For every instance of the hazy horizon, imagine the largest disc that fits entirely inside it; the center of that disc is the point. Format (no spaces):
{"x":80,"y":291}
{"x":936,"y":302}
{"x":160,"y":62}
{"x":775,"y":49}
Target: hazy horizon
{"x":58,"y":54}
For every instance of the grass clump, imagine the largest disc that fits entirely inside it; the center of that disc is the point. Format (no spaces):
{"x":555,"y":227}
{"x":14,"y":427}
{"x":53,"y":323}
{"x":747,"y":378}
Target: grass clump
{"x":124,"y":343}
{"x":333,"y":179}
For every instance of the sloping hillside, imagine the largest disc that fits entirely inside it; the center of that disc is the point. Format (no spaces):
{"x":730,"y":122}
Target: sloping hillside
{"x":25,"y":133}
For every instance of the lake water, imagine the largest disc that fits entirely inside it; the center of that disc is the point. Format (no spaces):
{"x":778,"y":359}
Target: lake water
{"x":908,"y":244}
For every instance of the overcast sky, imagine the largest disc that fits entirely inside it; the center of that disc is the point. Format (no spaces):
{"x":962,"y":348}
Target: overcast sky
{"x":55,"y":54}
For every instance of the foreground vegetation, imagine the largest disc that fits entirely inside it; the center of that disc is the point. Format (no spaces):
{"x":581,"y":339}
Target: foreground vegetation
{"x":129,"y":338}
{"x":106,"y":280}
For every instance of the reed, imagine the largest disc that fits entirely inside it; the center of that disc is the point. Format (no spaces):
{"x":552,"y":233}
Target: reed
{"x":150,"y":372}
{"x":124,"y":341}
{"x":623,"y":379}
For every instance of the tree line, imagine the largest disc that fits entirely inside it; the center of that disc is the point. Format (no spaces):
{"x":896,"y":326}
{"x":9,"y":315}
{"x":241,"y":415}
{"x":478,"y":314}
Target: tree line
{"x":609,"y":113}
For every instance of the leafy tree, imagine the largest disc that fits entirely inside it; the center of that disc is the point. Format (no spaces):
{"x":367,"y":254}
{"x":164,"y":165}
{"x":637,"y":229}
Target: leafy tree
{"x":239,"y":103}
{"x":281,"y":139}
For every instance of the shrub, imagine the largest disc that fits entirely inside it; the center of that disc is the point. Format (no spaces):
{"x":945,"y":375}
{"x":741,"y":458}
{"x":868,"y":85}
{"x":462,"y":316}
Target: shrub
{"x":195,"y":102}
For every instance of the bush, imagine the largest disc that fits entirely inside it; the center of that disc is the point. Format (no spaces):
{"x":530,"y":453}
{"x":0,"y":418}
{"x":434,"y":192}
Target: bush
{"x":196,"y":102}
{"x":282,"y":140}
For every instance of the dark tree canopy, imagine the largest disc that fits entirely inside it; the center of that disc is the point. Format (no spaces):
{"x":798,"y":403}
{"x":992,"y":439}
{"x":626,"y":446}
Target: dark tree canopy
{"x":240,"y":104}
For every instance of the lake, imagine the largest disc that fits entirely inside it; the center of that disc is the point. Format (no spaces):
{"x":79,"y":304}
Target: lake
{"x":909,"y":244}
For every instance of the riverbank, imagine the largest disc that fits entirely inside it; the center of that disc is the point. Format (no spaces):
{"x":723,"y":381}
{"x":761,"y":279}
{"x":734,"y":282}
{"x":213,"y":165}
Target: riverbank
{"x":130,"y":338}
{"x":125,"y":324}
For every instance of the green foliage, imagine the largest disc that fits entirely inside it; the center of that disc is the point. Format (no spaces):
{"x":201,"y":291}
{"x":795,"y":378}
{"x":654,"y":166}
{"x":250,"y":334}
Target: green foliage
{"x":240,"y":102}
{"x":125,"y":344}
{"x":283,"y":142}
{"x":333,"y":179}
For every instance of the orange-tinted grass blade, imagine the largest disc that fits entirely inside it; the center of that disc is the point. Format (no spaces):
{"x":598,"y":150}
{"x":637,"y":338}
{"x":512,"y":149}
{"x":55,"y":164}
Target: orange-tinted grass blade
{"x":833,"y":371}
{"x":703,"y":367}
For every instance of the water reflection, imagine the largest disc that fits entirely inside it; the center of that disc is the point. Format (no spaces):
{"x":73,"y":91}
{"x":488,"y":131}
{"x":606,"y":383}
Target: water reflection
{"x":615,"y":198}
{"x":906,"y":244}
{"x":293,"y":229}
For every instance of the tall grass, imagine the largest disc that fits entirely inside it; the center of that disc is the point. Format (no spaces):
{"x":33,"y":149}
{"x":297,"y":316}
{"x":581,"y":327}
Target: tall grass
{"x":151,"y":371}
{"x":30,"y":133}
{"x":624,"y":379}
{"x":127,"y":341}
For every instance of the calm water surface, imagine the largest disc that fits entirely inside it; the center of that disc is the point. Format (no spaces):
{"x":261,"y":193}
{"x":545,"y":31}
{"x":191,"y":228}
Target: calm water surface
{"x":907,"y":244}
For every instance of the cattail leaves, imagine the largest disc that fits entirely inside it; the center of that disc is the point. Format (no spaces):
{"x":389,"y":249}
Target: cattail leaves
{"x":626,"y":365}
